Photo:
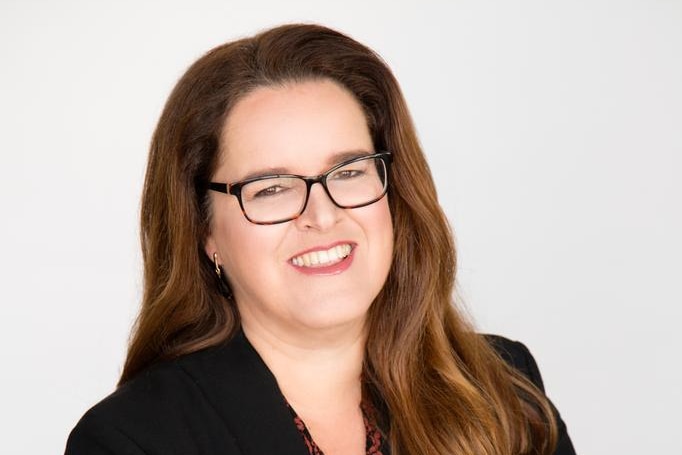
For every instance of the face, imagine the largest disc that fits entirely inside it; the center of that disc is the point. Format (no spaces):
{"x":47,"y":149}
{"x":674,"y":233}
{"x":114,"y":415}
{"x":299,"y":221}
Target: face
{"x":301,"y":128}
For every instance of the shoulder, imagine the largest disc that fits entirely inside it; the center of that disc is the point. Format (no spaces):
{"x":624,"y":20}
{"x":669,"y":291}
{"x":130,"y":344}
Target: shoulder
{"x":219,"y":400}
{"x":517,"y":355}
{"x":162,"y":410}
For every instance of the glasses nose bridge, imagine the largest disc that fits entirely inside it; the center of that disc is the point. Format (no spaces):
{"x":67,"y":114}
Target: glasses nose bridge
{"x":309,"y":182}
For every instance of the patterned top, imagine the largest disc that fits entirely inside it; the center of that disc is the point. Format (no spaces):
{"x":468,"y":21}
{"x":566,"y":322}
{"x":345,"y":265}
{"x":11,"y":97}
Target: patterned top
{"x":374,"y":444}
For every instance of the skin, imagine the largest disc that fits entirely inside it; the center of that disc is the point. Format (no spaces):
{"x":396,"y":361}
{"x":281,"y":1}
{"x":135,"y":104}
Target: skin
{"x":308,"y":328}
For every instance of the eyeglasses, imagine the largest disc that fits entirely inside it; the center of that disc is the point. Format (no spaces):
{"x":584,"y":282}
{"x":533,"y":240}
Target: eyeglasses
{"x":274,"y":199}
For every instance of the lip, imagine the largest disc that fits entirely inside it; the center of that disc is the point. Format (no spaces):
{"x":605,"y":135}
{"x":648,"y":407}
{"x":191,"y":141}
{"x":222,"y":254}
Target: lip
{"x":332,"y":269}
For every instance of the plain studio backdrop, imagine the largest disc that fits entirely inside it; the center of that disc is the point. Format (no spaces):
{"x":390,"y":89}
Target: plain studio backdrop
{"x":553,"y":129}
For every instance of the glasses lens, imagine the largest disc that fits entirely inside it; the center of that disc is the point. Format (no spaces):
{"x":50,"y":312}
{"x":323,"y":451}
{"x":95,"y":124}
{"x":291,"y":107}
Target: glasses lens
{"x":273,"y":199}
{"x":358,"y":183}
{"x":277,"y":199}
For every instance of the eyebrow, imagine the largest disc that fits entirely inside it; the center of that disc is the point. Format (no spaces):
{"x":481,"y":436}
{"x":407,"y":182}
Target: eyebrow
{"x":332,"y":161}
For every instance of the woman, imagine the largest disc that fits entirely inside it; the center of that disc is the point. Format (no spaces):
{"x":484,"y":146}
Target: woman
{"x":299,"y":273}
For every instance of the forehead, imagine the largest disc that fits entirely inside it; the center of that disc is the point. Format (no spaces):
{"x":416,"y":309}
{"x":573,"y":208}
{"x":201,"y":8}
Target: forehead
{"x":297,"y":126}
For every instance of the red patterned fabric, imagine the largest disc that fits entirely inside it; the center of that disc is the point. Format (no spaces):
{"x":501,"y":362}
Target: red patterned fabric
{"x":374,"y":439}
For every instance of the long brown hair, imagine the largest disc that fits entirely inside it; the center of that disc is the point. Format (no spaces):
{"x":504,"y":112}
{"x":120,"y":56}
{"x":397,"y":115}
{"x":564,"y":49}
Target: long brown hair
{"x":444,"y":388}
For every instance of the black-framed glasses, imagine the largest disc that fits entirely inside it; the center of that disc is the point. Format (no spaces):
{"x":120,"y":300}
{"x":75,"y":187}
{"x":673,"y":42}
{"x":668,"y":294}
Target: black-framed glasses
{"x":273,"y":199}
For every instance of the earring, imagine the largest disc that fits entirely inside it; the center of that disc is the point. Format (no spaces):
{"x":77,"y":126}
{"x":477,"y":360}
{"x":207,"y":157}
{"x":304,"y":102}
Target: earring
{"x":215,"y":264}
{"x":224,"y":287}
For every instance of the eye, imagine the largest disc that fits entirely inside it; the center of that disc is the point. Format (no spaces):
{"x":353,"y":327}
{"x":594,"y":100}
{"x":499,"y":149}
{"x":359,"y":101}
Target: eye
{"x":270,"y":191}
{"x":345,"y":174}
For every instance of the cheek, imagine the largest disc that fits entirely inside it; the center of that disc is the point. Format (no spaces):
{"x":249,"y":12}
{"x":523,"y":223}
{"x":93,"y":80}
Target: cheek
{"x":246,"y":248}
{"x":382,"y":227}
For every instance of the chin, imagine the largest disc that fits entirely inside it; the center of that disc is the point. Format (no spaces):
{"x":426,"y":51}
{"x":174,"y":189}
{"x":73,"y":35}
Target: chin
{"x":333,"y":315}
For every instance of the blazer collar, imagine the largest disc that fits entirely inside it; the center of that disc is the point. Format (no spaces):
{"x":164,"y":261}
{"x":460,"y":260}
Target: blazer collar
{"x":246,"y":396}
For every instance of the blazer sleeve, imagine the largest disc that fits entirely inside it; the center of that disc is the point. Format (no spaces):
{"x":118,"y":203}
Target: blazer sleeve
{"x":519,"y":357}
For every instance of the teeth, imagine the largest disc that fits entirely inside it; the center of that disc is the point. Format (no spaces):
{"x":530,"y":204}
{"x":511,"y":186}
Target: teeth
{"x":322,"y":258}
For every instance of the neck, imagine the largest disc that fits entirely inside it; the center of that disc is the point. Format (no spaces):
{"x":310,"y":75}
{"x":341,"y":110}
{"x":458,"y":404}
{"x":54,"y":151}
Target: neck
{"x":318,"y":372}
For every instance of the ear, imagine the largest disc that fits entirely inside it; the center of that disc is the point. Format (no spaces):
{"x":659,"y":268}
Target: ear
{"x":210,"y":248}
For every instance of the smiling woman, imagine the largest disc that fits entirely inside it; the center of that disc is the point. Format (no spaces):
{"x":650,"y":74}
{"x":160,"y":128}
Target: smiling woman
{"x":299,"y":127}
{"x":299,"y":273}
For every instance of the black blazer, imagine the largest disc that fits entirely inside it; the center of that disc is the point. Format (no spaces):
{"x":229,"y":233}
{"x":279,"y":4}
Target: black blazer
{"x":222,"y":400}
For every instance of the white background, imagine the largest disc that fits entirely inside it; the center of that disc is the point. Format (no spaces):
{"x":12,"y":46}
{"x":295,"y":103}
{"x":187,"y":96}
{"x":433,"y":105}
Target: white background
{"x":553,"y":128}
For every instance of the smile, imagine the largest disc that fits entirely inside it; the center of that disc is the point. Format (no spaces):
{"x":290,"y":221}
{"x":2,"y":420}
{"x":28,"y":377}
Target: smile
{"x":323,"y":258}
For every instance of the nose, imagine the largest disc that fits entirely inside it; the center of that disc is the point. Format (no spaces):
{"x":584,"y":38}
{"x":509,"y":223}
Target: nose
{"x":320,"y":212}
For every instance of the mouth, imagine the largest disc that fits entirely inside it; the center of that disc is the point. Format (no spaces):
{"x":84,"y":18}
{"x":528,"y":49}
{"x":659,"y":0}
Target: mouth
{"x":323,"y":258}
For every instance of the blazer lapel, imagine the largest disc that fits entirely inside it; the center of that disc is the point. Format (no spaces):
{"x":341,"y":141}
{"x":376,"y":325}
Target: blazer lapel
{"x":245,"y":395}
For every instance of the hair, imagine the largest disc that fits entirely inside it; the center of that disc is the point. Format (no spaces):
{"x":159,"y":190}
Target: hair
{"x":442,"y":386}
